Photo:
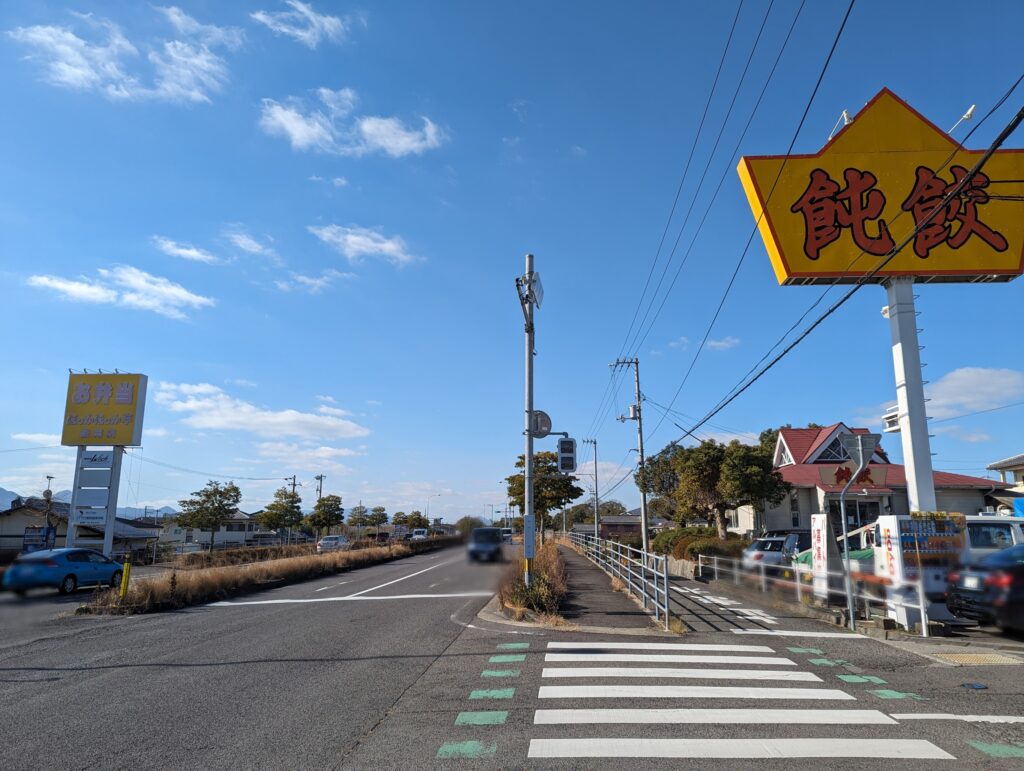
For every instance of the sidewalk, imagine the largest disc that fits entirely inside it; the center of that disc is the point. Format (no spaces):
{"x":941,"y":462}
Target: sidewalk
{"x":591,"y":601}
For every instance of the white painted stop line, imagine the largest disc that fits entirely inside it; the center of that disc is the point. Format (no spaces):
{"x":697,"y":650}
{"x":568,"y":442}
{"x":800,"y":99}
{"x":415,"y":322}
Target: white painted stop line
{"x":645,"y":646}
{"x":697,"y":674}
{"x":665,"y":658}
{"x":737,"y":748}
{"x":687,"y":692}
{"x":713,"y":716}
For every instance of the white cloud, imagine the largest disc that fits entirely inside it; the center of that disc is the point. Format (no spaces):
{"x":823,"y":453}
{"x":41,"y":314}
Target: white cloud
{"x":184,"y":70}
{"x":209,"y":407}
{"x":354,"y":243}
{"x":576,"y":151}
{"x":323,"y":409}
{"x":956,"y":432}
{"x":680,"y":342}
{"x":75,"y":291}
{"x":971,"y":389}
{"x":339,"y":182}
{"x":327,"y":399}
{"x":240,"y":238}
{"x":127,"y":286}
{"x":304,"y":24}
{"x":38,"y":439}
{"x":724,"y":344}
{"x":374,"y":403}
{"x":307,"y":456}
{"x":312,"y":284}
{"x":327,"y":128}
{"x":154,"y":433}
{"x":183,"y":250}
{"x":241,"y":381}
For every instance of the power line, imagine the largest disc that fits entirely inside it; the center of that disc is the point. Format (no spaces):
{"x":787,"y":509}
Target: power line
{"x":941,"y":207}
{"x":208,"y":474}
{"x":977,"y":412}
{"x":753,"y":232}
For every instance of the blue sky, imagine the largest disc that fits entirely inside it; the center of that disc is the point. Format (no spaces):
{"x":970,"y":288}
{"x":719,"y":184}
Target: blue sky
{"x":304,"y":222}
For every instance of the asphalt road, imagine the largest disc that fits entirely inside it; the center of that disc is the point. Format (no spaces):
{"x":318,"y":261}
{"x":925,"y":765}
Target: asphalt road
{"x":315,"y":676}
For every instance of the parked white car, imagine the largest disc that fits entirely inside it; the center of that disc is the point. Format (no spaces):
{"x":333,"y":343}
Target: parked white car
{"x":333,"y":543}
{"x":419,"y":534}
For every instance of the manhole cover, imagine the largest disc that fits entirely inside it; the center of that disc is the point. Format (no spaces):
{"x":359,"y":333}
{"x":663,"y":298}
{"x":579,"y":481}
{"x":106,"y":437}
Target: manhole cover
{"x":968,"y":659}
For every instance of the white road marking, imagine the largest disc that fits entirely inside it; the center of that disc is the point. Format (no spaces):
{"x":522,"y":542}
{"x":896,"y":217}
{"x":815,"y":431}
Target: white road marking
{"x":965,"y":718}
{"x":333,"y":586}
{"x":661,"y":646}
{"x":781,"y":633}
{"x":664,"y":658}
{"x":713,"y":716}
{"x":737,"y":748}
{"x":349,"y":598}
{"x":702,"y":673}
{"x":687,"y":692}
{"x":403,"y":578}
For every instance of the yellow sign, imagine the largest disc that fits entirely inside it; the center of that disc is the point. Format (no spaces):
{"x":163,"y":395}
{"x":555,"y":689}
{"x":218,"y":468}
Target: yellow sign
{"x":833,"y":216}
{"x":104,"y":410}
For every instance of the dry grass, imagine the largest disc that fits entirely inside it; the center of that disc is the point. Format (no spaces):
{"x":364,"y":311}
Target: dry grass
{"x":179,"y":589}
{"x":241,"y":556}
{"x":547,"y":589}
{"x":618,"y":585}
{"x":676,"y":625}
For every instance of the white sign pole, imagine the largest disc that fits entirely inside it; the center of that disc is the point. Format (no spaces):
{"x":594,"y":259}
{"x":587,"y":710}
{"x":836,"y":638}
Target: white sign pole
{"x":115,"y":483}
{"x":72,"y":532}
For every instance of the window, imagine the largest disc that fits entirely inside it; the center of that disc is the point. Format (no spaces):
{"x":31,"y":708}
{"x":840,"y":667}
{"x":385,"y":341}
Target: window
{"x":235,"y":528}
{"x":785,"y":459}
{"x":833,"y":453}
{"x":985,"y":535}
{"x":98,"y":559}
{"x":794,"y":509}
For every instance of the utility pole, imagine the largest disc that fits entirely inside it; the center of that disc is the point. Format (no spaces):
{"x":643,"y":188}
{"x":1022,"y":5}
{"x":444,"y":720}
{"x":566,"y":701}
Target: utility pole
{"x":530,"y":294}
{"x":597,"y":516}
{"x":636,"y":413}
{"x":319,"y":485}
{"x":294,"y":485}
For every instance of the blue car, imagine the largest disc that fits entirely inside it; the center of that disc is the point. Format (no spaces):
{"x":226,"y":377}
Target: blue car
{"x":484,"y":544}
{"x":63,"y":569}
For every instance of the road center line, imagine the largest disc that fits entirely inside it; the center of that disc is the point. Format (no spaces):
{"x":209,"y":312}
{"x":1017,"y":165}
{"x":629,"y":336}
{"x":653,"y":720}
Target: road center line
{"x":411,"y":575}
{"x":333,"y":586}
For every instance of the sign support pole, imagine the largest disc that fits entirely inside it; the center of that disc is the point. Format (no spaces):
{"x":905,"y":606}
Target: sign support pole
{"x":72,"y":533}
{"x":526,"y":299}
{"x":913,"y":421}
{"x":115,"y":483}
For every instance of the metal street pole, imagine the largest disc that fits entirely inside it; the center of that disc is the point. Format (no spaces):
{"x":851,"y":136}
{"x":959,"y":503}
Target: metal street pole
{"x":526,"y":288}
{"x":862,"y":454}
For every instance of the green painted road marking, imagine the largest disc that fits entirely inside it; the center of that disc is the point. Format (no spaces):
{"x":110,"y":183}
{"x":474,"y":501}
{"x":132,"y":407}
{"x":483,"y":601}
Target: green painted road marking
{"x":472,"y":749}
{"x":999,"y":750}
{"x":827,"y":662}
{"x":500,"y":673}
{"x":862,"y":679}
{"x":513,"y":646}
{"x":819,"y":651}
{"x":490,"y":717}
{"x":509,"y":658}
{"x":498,"y":693}
{"x":885,"y":693}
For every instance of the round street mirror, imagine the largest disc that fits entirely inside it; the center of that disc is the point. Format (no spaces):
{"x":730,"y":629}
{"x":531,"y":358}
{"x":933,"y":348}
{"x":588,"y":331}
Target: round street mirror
{"x":540,"y":426}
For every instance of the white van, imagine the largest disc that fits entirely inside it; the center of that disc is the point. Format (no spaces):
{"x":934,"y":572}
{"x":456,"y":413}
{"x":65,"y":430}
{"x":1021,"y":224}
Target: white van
{"x":419,"y":534}
{"x":990,"y":533}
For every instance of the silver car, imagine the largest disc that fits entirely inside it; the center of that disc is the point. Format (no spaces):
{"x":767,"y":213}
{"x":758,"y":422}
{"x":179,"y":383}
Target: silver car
{"x":332,"y":543}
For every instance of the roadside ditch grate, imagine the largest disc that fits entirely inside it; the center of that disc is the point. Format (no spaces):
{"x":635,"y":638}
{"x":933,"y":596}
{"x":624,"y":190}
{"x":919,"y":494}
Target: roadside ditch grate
{"x":968,"y":659}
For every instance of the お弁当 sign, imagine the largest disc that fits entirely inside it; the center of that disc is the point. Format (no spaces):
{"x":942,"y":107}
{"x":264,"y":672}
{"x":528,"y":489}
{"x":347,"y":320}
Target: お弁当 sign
{"x":104,"y":410}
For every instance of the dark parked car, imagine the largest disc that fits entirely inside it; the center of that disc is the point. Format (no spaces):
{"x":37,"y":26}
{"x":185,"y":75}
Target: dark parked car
{"x":990,"y":591}
{"x":484,"y":544}
{"x":63,"y":569}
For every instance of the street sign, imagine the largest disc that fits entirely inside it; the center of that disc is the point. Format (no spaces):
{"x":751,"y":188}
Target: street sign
{"x":833,"y":216}
{"x":540,"y":424}
{"x":536,"y":289}
{"x":860,"y":447}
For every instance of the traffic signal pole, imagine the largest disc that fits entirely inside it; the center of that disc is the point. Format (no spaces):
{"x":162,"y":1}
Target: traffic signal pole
{"x":525,"y":288}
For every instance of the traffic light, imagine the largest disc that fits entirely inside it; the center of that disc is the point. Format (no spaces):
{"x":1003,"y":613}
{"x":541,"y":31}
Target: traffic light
{"x":566,"y":455}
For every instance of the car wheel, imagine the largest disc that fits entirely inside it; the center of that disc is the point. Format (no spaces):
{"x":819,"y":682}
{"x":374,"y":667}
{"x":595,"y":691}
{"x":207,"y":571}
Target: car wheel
{"x":115,"y":580}
{"x":68,"y":585}
{"x":21,"y":592}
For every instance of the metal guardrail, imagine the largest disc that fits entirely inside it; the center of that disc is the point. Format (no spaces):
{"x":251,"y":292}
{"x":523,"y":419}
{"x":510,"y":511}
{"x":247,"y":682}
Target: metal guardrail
{"x":644,"y":578}
{"x":734,"y":567}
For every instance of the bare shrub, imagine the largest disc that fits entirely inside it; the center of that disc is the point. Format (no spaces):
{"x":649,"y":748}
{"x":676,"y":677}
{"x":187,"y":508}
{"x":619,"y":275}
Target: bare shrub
{"x":547,"y":589}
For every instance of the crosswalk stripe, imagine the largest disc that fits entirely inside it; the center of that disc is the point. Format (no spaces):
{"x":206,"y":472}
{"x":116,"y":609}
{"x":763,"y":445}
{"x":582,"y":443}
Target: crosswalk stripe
{"x":713,"y":716}
{"x":702,"y":674}
{"x":687,"y":692}
{"x":781,"y":633}
{"x":641,"y":646}
{"x":964,"y":718}
{"x":665,"y":658}
{"x":737,"y":748}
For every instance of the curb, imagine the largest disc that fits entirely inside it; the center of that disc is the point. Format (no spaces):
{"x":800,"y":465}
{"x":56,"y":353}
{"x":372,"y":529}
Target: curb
{"x":491,"y":613}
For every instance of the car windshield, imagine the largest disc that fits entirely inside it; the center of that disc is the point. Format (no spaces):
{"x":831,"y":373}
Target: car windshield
{"x":1005,"y":558}
{"x":767,"y":544}
{"x":486,"y":535}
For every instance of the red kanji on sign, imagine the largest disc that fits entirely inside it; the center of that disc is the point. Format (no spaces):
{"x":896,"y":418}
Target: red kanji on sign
{"x":927,"y":195}
{"x":827,"y":209}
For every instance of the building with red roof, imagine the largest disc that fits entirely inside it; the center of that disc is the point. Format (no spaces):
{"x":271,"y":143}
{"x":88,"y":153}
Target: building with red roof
{"x":817,"y":467}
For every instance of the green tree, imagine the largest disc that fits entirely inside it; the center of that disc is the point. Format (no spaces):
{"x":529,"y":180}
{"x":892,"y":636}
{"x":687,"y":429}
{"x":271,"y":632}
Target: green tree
{"x":378,"y":516}
{"x":283,"y":512}
{"x":551,"y":489}
{"x":466,"y":525}
{"x":416,"y":520}
{"x":663,"y":506}
{"x":357,"y":516}
{"x":210,"y":508}
{"x":714,"y":478}
{"x":327,"y":513}
{"x":400,"y":519}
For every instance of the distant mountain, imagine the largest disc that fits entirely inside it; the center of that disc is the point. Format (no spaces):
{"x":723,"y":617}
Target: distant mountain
{"x":134,"y":512}
{"x":6,"y":496}
{"x":64,"y":496}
